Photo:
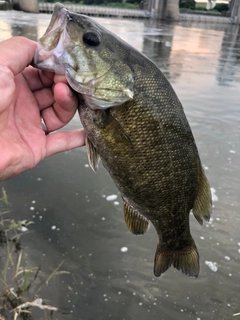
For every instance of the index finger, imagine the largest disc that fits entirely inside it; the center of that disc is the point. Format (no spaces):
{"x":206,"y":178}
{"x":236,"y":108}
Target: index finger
{"x":16,"y":53}
{"x":38,"y":79}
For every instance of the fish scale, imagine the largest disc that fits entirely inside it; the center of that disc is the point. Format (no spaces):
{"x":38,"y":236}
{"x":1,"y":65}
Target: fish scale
{"x":136,"y":125}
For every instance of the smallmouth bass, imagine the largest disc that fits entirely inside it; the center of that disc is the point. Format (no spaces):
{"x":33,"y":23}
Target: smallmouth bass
{"x":136,"y":125}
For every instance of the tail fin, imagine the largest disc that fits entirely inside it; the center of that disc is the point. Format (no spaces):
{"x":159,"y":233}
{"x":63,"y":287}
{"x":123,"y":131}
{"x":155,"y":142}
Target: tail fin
{"x":186,"y":259}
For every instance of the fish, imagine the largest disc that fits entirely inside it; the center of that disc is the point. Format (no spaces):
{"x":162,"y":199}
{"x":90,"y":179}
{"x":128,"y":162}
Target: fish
{"x":136,"y":125}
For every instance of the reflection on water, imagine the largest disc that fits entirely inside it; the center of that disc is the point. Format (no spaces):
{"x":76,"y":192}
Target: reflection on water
{"x":229,"y":57}
{"x":110,"y":270}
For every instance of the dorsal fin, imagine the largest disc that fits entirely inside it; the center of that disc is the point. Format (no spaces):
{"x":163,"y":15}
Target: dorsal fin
{"x":93,"y":156}
{"x":135,"y":222}
{"x":203,"y":201}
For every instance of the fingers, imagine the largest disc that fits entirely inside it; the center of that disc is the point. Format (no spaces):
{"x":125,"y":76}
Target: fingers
{"x":37,"y":79}
{"x":64,"y":141}
{"x":60,"y":78}
{"x":66,"y":101}
{"x":16,"y":53}
{"x":45,"y":98}
{"x":62,"y":110}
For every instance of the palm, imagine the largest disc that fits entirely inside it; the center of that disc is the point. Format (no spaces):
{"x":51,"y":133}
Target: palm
{"x":23,"y":97}
{"x":25,"y":125}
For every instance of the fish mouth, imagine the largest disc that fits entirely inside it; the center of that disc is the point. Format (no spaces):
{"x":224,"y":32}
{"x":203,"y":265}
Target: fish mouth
{"x":51,"y":47}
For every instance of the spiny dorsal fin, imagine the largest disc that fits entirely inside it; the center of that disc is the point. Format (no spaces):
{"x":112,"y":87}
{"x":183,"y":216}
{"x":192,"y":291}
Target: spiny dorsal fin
{"x":186,"y":260}
{"x":203,"y":201}
{"x":93,"y":156}
{"x":135,"y":222}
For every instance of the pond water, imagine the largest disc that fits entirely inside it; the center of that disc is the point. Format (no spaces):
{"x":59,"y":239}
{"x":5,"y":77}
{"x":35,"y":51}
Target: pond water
{"x":110,"y":271}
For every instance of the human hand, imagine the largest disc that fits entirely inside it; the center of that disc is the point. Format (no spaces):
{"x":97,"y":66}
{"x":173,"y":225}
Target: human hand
{"x":24,"y":93}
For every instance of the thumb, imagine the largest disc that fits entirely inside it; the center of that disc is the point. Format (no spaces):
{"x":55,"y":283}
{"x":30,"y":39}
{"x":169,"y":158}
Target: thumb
{"x":16,"y":53}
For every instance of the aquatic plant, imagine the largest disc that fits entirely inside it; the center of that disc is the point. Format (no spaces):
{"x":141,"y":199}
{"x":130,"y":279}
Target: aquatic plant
{"x":17,"y":275}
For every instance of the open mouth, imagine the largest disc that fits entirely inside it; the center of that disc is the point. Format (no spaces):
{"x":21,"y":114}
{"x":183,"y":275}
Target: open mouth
{"x":52,"y":45}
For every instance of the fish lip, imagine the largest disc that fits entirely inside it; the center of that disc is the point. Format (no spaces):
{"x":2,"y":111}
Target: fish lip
{"x":52,"y":60}
{"x":59,"y":16}
{"x":42,"y":57}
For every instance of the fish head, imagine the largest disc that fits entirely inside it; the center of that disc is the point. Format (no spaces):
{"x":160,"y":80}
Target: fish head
{"x":89,"y":55}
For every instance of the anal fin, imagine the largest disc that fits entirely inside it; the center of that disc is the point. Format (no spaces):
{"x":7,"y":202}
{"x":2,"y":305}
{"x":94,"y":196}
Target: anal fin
{"x":203,"y":202}
{"x":135,"y":222}
{"x":93,"y":156}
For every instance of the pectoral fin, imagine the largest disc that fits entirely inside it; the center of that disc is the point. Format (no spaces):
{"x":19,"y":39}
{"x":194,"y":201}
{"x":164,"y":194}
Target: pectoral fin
{"x":93,"y":156}
{"x":203,"y":201}
{"x":135,"y":222}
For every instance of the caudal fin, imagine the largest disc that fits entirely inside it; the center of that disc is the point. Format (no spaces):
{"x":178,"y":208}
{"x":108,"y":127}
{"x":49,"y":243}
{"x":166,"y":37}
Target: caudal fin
{"x":186,"y":260}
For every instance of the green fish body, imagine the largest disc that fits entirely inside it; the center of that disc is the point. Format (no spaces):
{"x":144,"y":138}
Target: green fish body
{"x":136,"y":125}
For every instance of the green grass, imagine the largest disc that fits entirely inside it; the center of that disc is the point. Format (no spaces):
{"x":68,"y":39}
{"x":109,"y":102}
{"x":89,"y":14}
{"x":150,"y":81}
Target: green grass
{"x":200,"y":6}
{"x":205,"y":12}
{"x":120,"y":5}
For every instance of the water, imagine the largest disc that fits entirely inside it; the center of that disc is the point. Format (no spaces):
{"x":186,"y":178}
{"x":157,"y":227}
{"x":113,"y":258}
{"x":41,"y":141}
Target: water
{"x":78,"y":214}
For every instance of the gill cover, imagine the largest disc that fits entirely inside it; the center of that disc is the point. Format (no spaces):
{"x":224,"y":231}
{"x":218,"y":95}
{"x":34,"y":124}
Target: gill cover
{"x":76,"y":46}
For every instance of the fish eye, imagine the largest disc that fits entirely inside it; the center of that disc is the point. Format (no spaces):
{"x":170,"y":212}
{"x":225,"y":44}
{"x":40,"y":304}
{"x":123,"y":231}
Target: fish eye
{"x":91,"y":39}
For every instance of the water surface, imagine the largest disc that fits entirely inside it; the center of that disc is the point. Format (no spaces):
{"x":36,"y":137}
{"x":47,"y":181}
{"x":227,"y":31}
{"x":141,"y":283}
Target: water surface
{"x":110,"y":270}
